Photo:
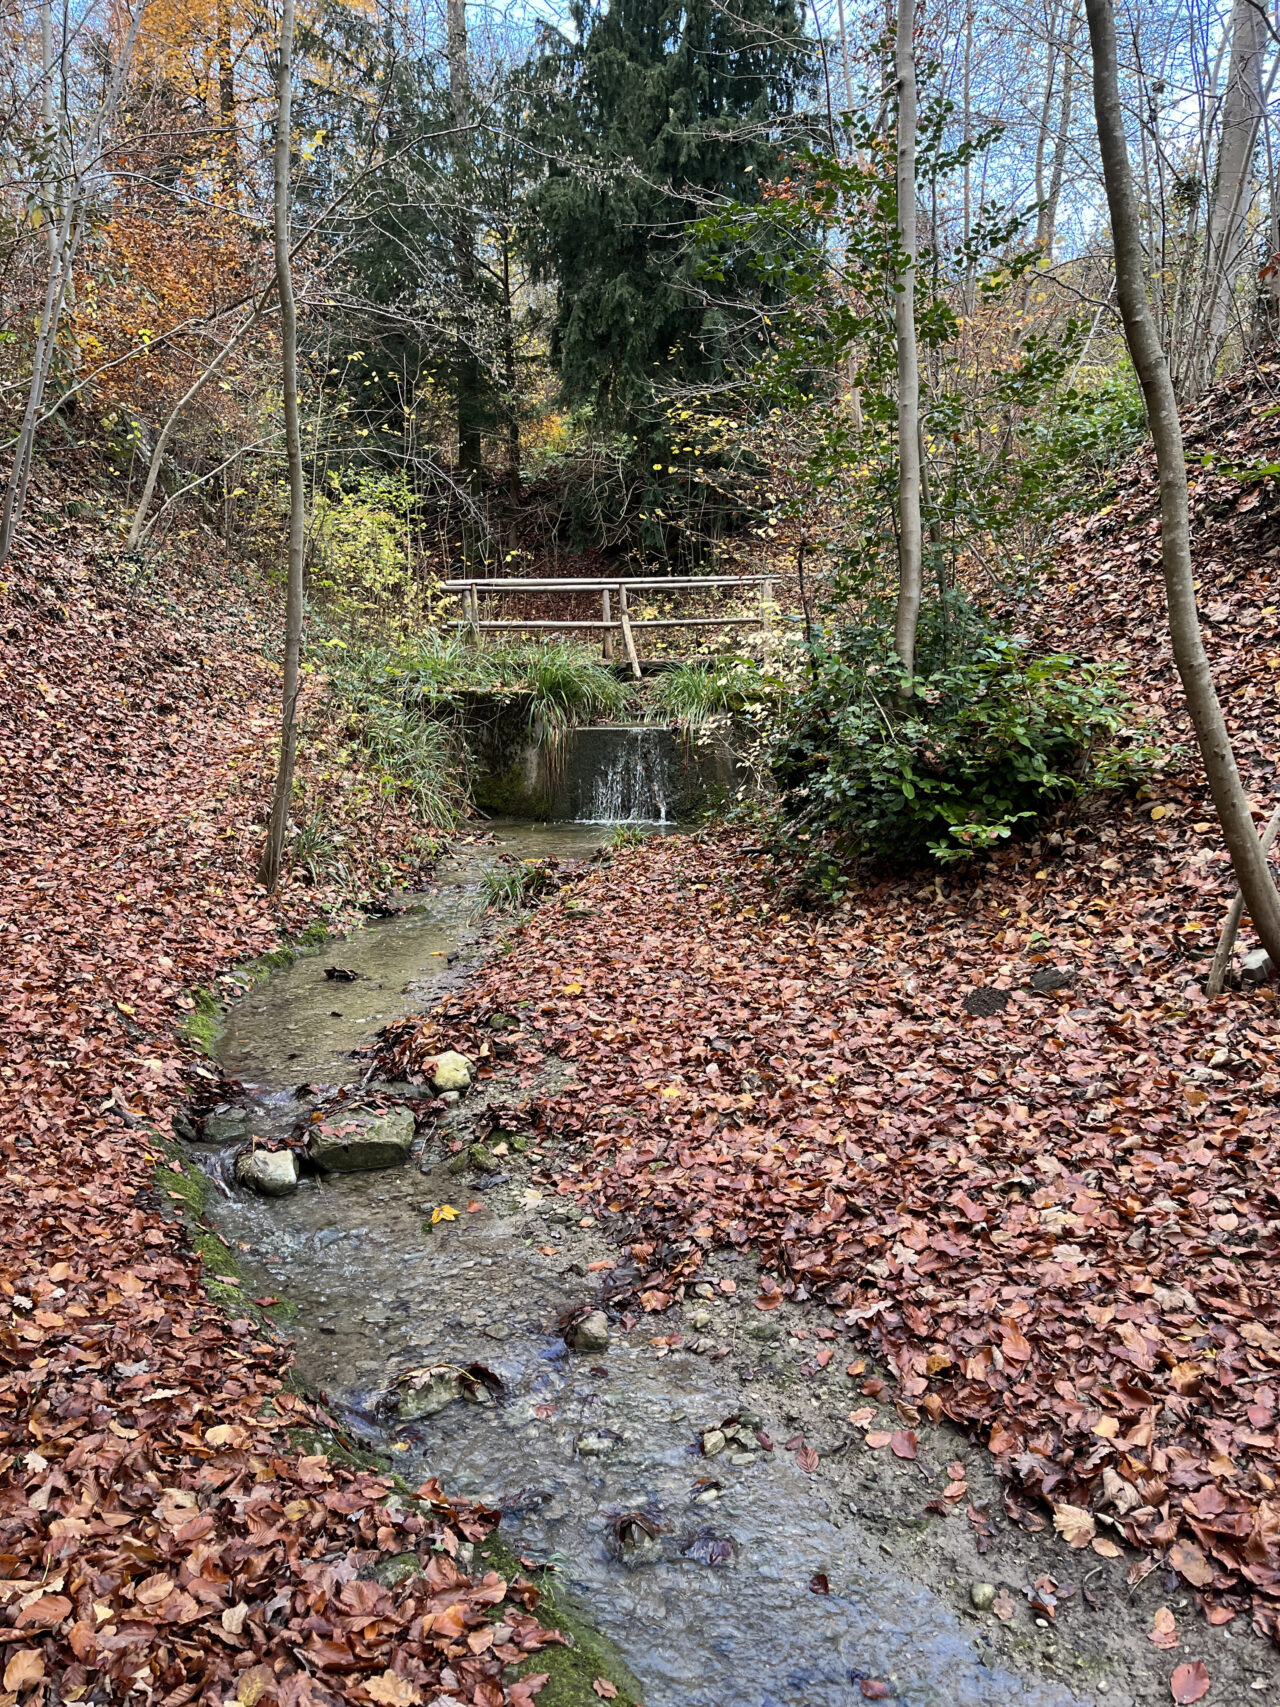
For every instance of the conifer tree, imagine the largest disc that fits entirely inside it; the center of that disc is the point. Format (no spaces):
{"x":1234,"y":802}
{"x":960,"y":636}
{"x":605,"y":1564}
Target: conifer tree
{"x":656,"y":113}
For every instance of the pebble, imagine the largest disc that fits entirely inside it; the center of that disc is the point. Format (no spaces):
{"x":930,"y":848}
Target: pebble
{"x":983,"y":1596}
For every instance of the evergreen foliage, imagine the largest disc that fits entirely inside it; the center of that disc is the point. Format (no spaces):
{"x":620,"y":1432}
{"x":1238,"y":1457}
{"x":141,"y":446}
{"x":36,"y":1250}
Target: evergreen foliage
{"x":658,"y":112}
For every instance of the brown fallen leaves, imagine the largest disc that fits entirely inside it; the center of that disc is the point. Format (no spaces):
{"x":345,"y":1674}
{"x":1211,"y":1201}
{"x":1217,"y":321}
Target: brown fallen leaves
{"x":164,"y":1530}
{"x":1057,"y":1224}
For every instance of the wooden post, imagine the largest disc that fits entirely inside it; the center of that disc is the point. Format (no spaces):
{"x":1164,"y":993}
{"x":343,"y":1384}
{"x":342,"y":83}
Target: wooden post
{"x":606,"y":611}
{"x":473,"y":614}
{"x":627,"y":639}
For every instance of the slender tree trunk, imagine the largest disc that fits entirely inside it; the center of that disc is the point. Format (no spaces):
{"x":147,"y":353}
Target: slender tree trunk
{"x":227,"y":101}
{"x":1239,"y":831}
{"x":1046,"y":115}
{"x":1227,"y":237}
{"x":470,"y":452}
{"x":909,"y":542}
{"x":511,"y":378}
{"x":62,"y":257}
{"x":137,"y":526}
{"x":1049,"y":218}
{"x":273,"y":852}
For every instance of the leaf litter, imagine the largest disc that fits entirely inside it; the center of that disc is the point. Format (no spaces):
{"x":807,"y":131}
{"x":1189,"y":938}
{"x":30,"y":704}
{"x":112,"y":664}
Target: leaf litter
{"x":1056,"y":1222}
{"x":163,"y":1528}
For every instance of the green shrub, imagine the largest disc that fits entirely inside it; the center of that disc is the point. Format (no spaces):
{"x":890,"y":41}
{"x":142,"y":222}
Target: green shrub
{"x":945,"y":765}
{"x":362,"y":550}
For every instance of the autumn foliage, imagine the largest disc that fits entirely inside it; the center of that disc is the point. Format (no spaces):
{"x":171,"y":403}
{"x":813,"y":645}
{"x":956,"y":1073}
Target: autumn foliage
{"x":167,"y":1520}
{"x":991,"y":1122}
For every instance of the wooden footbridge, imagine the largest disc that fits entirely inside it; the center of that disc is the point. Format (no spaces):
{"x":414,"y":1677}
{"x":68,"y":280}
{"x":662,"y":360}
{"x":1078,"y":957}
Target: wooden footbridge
{"x":615,"y":619}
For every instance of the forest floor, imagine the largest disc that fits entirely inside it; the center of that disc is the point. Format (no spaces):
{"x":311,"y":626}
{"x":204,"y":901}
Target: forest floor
{"x":168,"y":1524}
{"x":1053,"y":1222}
{"x":1053,"y":1226}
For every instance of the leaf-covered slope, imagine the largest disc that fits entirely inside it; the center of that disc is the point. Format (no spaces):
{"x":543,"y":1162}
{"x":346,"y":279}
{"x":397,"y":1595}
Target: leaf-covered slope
{"x":1056,"y":1216}
{"x":161,"y":1527}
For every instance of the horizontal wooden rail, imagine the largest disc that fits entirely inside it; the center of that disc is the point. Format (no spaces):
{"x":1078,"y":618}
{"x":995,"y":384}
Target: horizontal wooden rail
{"x":604,"y":584}
{"x":636,"y":622}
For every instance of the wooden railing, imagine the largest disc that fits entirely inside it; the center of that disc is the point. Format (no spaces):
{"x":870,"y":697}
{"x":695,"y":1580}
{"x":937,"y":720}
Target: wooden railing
{"x":609,"y":623}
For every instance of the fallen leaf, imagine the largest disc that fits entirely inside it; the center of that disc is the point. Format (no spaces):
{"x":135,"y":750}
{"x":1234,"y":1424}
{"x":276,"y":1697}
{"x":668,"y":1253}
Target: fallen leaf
{"x":604,"y":1689}
{"x":1164,"y":1629}
{"x":392,"y":1690}
{"x":25,"y":1667}
{"x":1074,"y":1524}
{"x":903,"y":1443}
{"x":445,"y":1212}
{"x":1190,"y":1682}
{"x":1190,"y":1562}
{"x":1004,"y":1605}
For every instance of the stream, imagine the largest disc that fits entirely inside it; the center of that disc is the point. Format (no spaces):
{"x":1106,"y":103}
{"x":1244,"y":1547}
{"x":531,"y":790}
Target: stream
{"x":718,"y":1608}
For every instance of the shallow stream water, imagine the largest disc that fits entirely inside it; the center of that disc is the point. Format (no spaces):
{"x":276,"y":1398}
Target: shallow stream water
{"x":718,"y":1611}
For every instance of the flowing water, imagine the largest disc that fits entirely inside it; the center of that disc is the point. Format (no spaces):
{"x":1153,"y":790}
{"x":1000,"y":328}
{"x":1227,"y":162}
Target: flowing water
{"x":717,"y":1610}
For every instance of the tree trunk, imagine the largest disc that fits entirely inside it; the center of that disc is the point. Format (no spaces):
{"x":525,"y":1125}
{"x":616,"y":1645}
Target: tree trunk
{"x":1227,"y":237}
{"x":1239,"y":832}
{"x":227,"y":101}
{"x":1049,"y":215}
{"x":909,"y":542}
{"x":511,"y":378}
{"x":273,"y":853}
{"x":468,"y":380}
{"x":78,"y":172}
{"x":1046,"y":116}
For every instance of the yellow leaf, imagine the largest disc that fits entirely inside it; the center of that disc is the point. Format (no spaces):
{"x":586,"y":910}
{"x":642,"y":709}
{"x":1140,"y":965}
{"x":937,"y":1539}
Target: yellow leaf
{"x":1074,"y":1524}
{"x":24,"y":1668}
{"x":392,"y":1690}
{"x":1159,"y":812}
{"x":573,"y":989}
{"x":446,"y":1212}
{"x":1105,"y":1548}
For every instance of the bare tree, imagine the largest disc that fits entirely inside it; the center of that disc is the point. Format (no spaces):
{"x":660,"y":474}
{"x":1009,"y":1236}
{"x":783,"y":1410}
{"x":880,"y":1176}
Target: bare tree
{"x":910,"y":545}
{"x":273,"y":852}
{"x":1227,"y":244}
{"x":82,"y":172}
{"x":1239,"y":832}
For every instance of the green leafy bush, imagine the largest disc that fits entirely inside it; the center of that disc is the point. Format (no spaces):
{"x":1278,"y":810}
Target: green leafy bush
{"x":947,"y":764}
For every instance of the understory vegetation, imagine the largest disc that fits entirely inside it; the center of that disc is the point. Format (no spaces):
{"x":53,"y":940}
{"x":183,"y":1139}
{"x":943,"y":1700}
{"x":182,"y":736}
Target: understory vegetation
{"x":875,"y":762}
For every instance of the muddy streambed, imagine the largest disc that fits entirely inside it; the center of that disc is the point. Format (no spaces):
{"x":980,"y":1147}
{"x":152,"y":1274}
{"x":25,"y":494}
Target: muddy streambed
{"x":723,"y":1604}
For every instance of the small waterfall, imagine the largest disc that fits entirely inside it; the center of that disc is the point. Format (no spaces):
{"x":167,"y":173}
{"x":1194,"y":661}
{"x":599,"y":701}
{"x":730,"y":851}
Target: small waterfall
{"x":624,"y":775}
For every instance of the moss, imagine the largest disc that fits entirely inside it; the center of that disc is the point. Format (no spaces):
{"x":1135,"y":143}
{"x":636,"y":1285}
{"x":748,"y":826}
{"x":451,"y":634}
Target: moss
{"x":224,"y":1277}
{"x":510,"y":794}
{"x":203,"y":1024}
{"x":572,"y":1669}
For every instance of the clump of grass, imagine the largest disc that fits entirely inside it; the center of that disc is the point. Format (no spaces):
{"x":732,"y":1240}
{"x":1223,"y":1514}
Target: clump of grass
{"x":562,"y":682}
{"x":623,"y":836}
{"x":416,"y":755}
{"x":696,"y":694}
{"x":513,"y":885}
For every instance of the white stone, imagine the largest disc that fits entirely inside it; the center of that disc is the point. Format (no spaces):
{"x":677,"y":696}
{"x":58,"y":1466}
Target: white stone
{"x":271,"y":1173}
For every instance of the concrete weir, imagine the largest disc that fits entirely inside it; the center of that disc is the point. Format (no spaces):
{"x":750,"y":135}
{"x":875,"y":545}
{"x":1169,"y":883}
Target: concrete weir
{"x":608,"y":774}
